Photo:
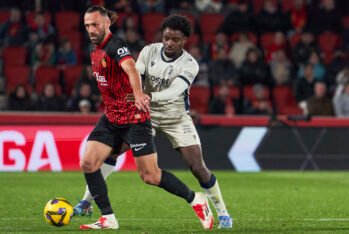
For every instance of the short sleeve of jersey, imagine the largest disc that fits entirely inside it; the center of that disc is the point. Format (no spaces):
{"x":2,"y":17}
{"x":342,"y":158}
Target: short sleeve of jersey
{"x":189,"y":71}
{"x":142,"y":60}
{"x":119,"y":50}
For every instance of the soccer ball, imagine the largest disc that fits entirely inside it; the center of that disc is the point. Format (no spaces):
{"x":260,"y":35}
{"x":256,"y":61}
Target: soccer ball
{"x":58,"y":212}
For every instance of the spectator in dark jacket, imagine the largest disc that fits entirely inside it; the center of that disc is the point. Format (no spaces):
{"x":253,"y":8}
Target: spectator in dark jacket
{"x":304,"y":87}
{"x":49,"y":101}
{"x":270,"y":19}
{"x":20,"y":100}
{"x":84,"y":93}
{"x":253,"y":70}
{"x":222,"y":70}
{"x":239,"y":20}
{"x":325,"y":17}
{"x":304,"y":47}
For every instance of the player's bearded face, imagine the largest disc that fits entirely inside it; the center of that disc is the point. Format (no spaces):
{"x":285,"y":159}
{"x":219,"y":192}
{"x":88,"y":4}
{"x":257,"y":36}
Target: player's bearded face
{"x":173,"y":41}
{"x":95,"y":25}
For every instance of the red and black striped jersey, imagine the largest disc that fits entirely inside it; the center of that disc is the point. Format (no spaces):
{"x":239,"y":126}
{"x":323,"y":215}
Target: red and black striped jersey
{"x":114,"y":83}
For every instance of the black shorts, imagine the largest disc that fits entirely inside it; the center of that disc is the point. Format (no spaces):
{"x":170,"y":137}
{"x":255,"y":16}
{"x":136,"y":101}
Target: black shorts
{"x":137,"y":136}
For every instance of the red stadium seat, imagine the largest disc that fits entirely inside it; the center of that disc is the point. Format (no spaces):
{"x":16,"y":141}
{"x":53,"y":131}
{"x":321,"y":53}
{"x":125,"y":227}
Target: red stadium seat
{"x":248,"y":92}
{"x":345,"y":22}
{"x":193,"y":40}
{"x":234,"y":91}
{"x":45,"y":74}
{"x":210,"y":23}
{"x":14,"y":55}
{"x":290,"y":110}
{"x":283,"y":95}
{"x":328,"y":41}
{"x":285,"y":101}
{"x":209,"y":38}
{"x":267,"y":39}
{"x":151,"y":22}
{"x":4,"y":16}
{"x":199,"y":98}
{"x":287,"y":5}
{"x":16,"y":75}
{"x":71,"y":76}
{"x":67,"y":21}
{"x":250,"y":35}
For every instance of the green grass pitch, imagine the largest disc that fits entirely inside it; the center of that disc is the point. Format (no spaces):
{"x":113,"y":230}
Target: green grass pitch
{"x":267,"y":202}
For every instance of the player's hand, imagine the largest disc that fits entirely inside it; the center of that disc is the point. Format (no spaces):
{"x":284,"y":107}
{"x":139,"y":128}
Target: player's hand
{"x":142,"y":102}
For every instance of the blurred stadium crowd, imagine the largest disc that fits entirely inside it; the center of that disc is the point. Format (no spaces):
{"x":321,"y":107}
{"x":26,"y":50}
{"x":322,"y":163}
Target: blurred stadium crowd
{"x":256,"y":57}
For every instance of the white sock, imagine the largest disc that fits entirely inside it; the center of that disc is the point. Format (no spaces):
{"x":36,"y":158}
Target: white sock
{"x":214,"y":193}
{"x":111,"y":218}
{"x":106,"y":170}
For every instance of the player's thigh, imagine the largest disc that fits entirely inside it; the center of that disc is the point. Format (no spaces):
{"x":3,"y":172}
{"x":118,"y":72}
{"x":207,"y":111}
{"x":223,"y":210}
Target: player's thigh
{"x":102,"y":140}
{"x":182,"y":133}
{"x":139,"y":137}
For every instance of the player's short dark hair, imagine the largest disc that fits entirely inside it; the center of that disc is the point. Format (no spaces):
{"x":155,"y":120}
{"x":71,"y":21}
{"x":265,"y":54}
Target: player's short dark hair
{"x":177,"y":22}
{"x":103,"y":11}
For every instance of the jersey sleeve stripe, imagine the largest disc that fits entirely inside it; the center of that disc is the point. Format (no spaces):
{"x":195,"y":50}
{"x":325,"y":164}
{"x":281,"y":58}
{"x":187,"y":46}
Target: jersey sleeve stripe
{"x":185,"y":79}
{"x":124,"y":58}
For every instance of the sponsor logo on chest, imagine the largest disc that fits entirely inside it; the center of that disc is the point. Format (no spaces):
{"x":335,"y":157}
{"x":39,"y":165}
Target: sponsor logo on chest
{"x":102,"y":81}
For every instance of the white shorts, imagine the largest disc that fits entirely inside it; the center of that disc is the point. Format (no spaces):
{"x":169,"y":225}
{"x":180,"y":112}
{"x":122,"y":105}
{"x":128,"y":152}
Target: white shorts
{"x":179,"y":130}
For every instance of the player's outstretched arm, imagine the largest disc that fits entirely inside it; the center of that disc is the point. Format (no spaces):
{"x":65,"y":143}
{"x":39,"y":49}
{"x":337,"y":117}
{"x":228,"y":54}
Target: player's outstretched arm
{"x":141,"y":100}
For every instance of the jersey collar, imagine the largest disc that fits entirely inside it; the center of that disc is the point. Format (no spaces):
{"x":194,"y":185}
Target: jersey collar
{"x":104,"y":42}
{"x":171,"y":60}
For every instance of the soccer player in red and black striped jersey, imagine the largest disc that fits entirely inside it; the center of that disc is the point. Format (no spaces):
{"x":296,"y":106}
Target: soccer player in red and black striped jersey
{"x":126,"y":119}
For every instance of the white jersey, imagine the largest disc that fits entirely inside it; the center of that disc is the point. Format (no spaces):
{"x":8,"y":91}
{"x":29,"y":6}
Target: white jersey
{"x":159,"y":73}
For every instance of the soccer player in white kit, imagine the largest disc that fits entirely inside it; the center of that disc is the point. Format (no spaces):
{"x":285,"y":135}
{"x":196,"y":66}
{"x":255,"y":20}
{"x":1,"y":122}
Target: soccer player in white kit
{"x":168,"y":72}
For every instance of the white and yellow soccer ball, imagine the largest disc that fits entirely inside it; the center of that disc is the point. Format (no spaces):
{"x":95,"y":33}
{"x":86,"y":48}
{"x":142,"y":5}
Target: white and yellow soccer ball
{"x":58,"y":212}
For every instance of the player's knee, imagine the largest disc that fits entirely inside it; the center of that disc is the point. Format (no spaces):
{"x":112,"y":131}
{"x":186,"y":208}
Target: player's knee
{"x":88,"y":166}
{"x":151,"y":178}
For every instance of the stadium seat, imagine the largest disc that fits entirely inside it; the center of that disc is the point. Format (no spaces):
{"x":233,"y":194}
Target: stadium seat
{"x":199,"y":98}
{"x":210,"y":23}
{"x":71,"y":75}
{"x":287,"y":5}
{"x":345,"y":22}
{"x":16,"y":75}
{"x":209,"y":38}
{"x":14,"y":55}
{"x":193,"y":40}
{"x":250,"y":35}
{"x":45,"y":74}
{"x":151,"y":22}
{"x":328,"y":41}
{"x":289,"y":110}
{"x":283,"y":95}
{"x":248,"y":92}
{"x":67,"y":22}
{"x":4,"y":16}
{"x":284,"y":100}
{"x":234,"y":91}
{"x":267,"y":39}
